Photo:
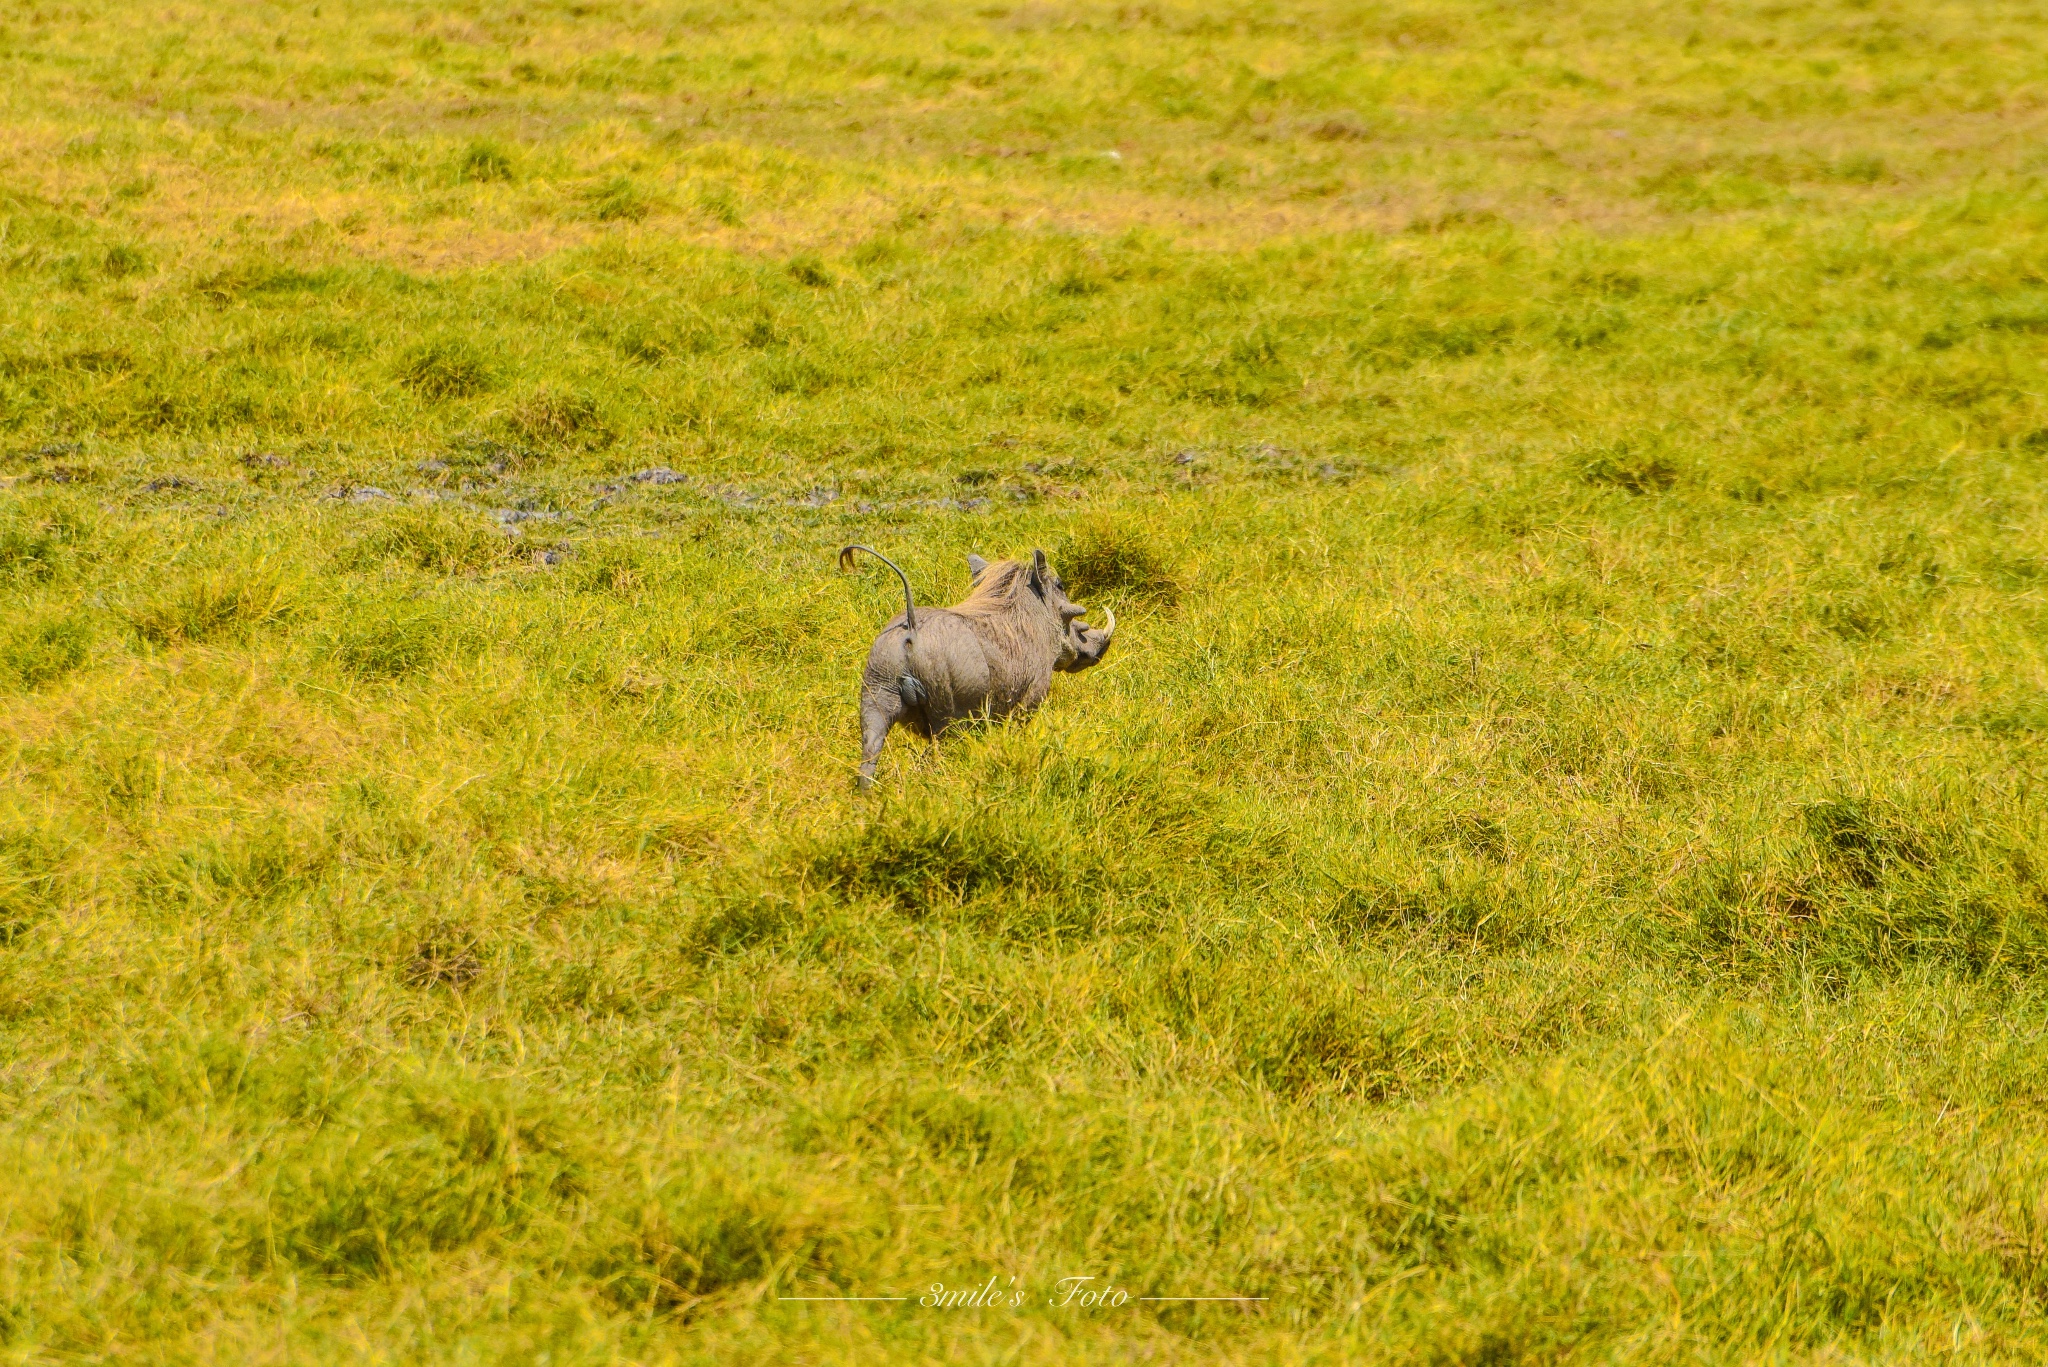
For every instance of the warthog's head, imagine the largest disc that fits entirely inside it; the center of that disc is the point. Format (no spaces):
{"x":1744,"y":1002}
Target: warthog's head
{"x":1083,"y":646}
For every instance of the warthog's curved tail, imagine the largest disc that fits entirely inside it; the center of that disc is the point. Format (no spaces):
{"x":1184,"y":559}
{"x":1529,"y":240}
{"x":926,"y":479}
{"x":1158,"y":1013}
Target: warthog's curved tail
{"x":909,"y":609}
{"x":909,"y":687}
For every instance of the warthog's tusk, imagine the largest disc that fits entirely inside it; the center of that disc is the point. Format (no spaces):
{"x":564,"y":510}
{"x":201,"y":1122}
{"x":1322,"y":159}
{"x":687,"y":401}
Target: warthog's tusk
{"x":1109,"y":630}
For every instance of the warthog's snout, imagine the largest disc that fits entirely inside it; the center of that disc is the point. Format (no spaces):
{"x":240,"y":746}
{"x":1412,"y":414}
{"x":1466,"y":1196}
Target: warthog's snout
{"x":1089,"y":644}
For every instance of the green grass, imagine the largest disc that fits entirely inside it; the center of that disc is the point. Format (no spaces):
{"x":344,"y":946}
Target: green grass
{"x":1552,"y":870}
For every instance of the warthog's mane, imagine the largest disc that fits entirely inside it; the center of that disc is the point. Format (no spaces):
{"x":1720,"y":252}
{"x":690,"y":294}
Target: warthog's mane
{"x":996,"y":606}
{"x":1000,"y":587}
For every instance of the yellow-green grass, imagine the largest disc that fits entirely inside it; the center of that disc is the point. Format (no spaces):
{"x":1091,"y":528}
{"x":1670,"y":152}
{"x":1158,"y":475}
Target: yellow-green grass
{"x":1552,"y":870}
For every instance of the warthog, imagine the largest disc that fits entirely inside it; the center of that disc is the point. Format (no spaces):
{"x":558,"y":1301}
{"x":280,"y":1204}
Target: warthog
{"x":991,"y":655}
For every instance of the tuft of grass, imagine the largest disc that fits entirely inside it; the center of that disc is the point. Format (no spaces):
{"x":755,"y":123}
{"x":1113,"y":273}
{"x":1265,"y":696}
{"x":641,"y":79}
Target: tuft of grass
{"x":31,"y":880}
{"x":39,"y":652}
{"x":721,"y":204}
{"x":809,"y":271}
{"x":708,"y":1229}
{"x":446,"y":368}
{"x":555,"y":417}
{"x":443,"y":1166}
{"x":1633,"y":471}
{"x":925,"y":863}
{"x":620,"y":200}
{"x":1863,"y":840}
{"x":122,"y":261}
{"x":389,"y":641}
{"x":447,"y":956}
{"x":1120,"y":557}
{"x":439,"y":540}
{"x":262,"y":280}
{"x":211,"y":606}
{"x":482,"y":162}
{"x":41,"y":541}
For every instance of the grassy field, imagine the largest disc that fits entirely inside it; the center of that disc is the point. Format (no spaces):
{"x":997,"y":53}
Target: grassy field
{"x":1554,"y":869}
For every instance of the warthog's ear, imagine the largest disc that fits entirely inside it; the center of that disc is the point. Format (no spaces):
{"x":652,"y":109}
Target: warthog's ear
{"x":1040,"y":572}
{"x":975,"y":565}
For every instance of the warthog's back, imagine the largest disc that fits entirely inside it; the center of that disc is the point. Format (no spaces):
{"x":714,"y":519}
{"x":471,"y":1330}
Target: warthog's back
{"x":965,"y":665}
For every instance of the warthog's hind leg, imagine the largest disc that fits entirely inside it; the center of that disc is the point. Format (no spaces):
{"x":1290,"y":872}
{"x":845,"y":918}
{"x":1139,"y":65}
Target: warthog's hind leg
{"x":877,"y":715}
